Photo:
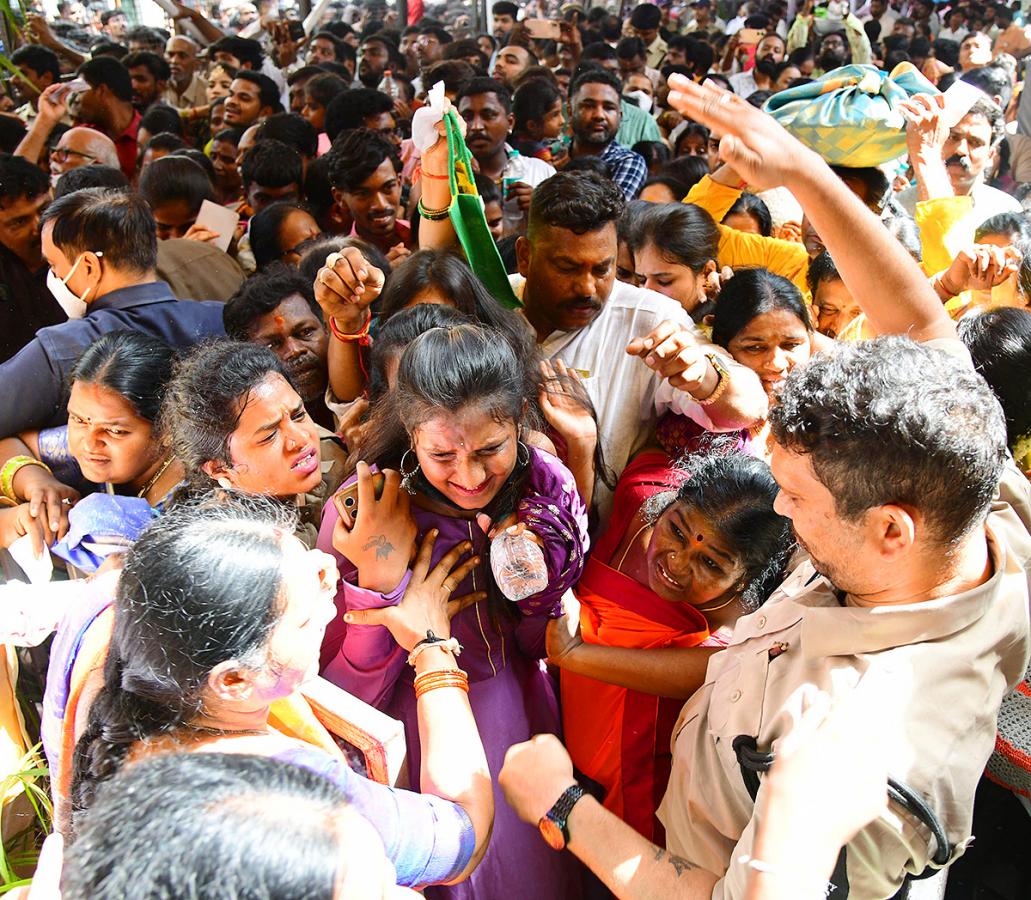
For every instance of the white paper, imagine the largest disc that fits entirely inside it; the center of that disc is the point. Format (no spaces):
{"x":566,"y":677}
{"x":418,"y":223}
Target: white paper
{"x":37,"y":569}
{"x":221,"y":220}
{"x":957,"y":101}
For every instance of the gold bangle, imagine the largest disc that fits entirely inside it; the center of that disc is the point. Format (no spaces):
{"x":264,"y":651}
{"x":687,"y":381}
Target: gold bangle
{"x":11,"y":468}
{"x":441,"y":678}
{"x":723,"y":380}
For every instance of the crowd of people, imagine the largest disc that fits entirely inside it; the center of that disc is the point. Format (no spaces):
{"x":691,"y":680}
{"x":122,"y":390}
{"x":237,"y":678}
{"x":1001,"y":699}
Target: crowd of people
{"x":692,"y":562}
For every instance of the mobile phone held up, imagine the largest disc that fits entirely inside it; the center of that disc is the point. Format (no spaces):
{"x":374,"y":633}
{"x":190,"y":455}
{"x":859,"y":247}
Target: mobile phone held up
{"x":346,"y":499}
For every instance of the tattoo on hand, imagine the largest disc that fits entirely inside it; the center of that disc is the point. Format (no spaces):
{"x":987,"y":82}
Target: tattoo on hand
{"x":678,"y":862}
{"x":383,"y":547}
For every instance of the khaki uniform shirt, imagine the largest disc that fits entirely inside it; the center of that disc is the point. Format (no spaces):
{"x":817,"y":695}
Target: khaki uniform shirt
{"x":948,"y":662}
{"x":195,"y":95}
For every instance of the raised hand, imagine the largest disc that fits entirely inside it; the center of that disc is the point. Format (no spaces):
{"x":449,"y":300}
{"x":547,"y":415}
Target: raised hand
{"x":346,"y":286}
{"x":753,"y":142}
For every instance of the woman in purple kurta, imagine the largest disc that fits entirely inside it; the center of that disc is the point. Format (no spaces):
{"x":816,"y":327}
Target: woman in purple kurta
{"x":511,"y":694}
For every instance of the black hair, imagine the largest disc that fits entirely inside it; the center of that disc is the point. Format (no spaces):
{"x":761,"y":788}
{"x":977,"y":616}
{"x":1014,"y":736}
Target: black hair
{"x":758,"y":98}
{"x":135,"y":366}
{"x":987,"y":109}
{"x":461,"y":50}
{"x":318,"y":190}
{"x":318,"y":249}
{"x":735,"y":493}
{"x":92,"y":176}
{"x":256,"y":819}
{"x":350,"y":109}
{"x":654,"y":153}
{"x":118,"y":224}
{"x":577,"y":202}
{"x":437,"y":31}
{"x":304,"y":72}
{"x":688,"y":170}
{"x":336,"y":68}
{"x":1012,"y":225}
{"x":994,"y":79}
{"x":38,"y":58}
{"x":166,"y":141}
{"x":108,"y":71}
{"x":268,"y":91}
{"x":271,"y":164}
{"x":397,"y":332}
{"x":108,"y":48}
{"x":682,"y":232}
{"x":198,"y":157}
{"x":323,"y":89}
{"x":162,"y":119}
{"x":153,"y":63}
{"x":455,"y":73}
{"x":947,"y":52}
{"x":20,"y":179}
{"x":12,"y":133}
{"x":356,"y":155}
{"x":750,"y":293}
{"x":629,"y":47}
{"x":487,"y":188}
{"x":592,"y":53}
{"x":262,"y":293}
{"x":821,"y":269}
{"x":882,"y":420}
{"x":175,"y":179}
{"x":751,"y":205}
{"x":264,"y":228}
{"x":505,"y":8}
{"x":154,"y":38}
{"x":108,"y":14}
{"x":678,"y":187}
{"x":206,"y":397}
{"x":230,"y":135}
{"x":454,"y":280}
{"x":594,"y":75}
{"x":999,"y":342}
{"x":483,"y":85}
{"x":201,"y":586}
{"x":244,"y":49}
{"x":291,"y":129}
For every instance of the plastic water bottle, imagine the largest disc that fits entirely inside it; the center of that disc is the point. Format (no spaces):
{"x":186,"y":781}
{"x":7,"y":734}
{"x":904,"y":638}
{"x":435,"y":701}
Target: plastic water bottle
{"x":512,"y":215}
{"x":388,"y":86}
{"x":518,"y":565}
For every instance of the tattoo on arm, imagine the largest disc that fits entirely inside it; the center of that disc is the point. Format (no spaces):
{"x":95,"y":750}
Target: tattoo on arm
{"x":383,"y":547}
{"x":678,"y":862}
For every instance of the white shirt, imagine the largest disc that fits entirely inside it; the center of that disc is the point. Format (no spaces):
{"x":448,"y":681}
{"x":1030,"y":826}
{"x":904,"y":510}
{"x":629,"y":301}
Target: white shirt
{"x":988,"y":202}
{"x":743,"y":83}
{"x":628,"y":397}
{"x":532,"y":171}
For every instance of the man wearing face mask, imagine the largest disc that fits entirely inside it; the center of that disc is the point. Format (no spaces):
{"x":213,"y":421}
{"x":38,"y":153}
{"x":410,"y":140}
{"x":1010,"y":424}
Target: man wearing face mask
{"x":25,"y":303}
{"x":101,"y":246}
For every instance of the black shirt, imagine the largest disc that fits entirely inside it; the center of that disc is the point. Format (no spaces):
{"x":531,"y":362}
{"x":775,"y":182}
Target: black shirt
{"x":25,"y":304}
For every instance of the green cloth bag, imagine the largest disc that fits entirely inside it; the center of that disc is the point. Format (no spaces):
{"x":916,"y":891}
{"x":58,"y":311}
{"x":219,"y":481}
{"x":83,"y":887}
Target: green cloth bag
{"x":850,"y":116}
{"x":469,"y":221}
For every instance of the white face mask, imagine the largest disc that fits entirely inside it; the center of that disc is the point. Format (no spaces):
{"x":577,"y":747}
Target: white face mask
{"x":74,"y":306}
{"x":640,"y":98}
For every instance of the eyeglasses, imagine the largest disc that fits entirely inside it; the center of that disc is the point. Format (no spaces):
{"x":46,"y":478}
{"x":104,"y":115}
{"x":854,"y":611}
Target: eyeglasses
{"x":63,"y":153}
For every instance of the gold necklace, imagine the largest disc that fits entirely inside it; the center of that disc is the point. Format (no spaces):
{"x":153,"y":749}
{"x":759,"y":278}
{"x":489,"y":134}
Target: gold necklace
{"x":161,"y":471}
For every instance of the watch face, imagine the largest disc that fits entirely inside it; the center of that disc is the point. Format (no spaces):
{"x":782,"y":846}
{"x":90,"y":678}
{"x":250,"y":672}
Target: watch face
{"x":552,"y":833}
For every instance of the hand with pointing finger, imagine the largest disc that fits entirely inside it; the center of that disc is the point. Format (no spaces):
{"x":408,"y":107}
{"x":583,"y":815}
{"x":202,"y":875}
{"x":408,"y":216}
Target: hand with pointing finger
{"x":674,"y":353}
{"x":427,"y":604}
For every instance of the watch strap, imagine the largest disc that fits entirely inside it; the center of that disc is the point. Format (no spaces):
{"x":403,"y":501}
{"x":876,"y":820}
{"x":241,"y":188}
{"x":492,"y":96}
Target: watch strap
{"x":559,"y":812}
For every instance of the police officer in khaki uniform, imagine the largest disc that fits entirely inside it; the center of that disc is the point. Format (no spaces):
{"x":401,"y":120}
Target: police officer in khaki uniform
{"x":887,"y":455}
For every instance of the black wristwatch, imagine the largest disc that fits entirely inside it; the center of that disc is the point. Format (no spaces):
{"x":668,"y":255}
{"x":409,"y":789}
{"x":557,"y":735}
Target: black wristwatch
{"x":553,"y":825}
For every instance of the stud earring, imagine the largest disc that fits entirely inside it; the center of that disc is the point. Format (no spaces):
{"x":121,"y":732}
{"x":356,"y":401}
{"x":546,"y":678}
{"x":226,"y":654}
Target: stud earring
{"x":224,"y":483}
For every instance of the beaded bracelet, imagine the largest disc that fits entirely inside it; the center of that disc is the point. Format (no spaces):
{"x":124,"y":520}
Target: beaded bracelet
{"x":11,"y":468}
{"x":433,"y":215}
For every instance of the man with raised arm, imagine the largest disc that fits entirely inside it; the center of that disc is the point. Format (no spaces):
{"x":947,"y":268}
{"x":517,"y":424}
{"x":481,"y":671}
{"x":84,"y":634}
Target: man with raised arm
{"x":892,"y":463}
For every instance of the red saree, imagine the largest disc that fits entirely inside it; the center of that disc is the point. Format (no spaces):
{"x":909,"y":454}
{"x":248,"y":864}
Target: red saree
{"x":618,"y":737}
